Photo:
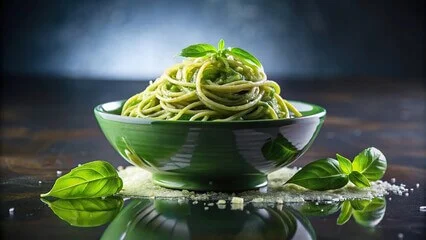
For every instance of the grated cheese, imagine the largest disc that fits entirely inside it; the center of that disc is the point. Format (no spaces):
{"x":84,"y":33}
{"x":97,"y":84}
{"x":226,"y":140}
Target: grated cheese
{"x":137,"y":183}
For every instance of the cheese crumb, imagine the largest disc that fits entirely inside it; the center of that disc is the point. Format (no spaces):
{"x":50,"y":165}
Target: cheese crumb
{"x":237,"y":200}
{"x":221,"y":202}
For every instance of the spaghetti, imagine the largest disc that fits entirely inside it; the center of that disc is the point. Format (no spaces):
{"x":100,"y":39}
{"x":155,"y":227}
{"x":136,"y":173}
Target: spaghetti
{"x":213,"y":87}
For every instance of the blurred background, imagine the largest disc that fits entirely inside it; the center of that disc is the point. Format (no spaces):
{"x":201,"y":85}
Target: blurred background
{"x":138,"y":39}
{"x":362,"y":60}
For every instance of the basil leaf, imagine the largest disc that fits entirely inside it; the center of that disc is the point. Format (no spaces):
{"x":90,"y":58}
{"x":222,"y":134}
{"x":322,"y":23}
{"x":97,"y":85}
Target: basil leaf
{"x":90,"y":180}
{"x":221,"y":45}
{"x":86,"y":212}
{"x":246,"y":55}
{"x":372,"y":214}
{"x":344,"y":164}
{"x":345,"y":213}
{"x":197,"y":50}
{"x":359,"y":180}
{"x":323,"y":174}
{"x":371,"y":163}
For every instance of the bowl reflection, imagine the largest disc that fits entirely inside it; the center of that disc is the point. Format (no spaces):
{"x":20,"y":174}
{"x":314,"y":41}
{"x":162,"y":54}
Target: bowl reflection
{"x":170,"y":219}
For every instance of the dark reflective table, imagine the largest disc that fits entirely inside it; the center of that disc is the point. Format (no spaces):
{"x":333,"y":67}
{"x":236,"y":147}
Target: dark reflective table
{"x":48,"y":128}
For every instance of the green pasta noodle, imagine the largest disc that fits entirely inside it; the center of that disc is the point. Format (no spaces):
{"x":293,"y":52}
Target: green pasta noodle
{"x":211,"y":85}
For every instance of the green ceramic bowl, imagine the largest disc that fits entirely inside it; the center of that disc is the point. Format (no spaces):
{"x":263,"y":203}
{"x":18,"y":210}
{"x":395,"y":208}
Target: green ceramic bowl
{"x":204,"y":156}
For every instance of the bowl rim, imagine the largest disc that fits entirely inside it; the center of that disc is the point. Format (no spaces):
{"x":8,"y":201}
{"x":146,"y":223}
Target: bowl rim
{"x":100,"y":110}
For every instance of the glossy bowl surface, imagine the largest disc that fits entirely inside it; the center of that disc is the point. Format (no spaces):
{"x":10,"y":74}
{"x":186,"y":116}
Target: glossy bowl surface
{"x":204,"y":156}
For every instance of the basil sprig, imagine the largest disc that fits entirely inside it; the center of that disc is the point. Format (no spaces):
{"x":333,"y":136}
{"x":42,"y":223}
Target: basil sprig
{"x":328,"y":173}
{"x":204,"y":49}
{"x":91,"y":180}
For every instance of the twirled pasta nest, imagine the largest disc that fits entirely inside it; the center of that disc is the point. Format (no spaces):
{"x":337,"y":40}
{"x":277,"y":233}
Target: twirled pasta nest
{"x":213,"y":87}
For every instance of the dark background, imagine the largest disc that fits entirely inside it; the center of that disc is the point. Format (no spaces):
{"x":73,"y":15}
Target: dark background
{"x":138,"y":39}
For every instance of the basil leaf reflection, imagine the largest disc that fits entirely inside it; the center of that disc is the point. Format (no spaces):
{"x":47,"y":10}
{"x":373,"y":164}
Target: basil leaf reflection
{"x":279,"y":150}
{"x":319,"y":209}
{"x":90,"y":212}
{"x":372,"y":214}
{"x":345,"y":213}
{"x":170,"y":219}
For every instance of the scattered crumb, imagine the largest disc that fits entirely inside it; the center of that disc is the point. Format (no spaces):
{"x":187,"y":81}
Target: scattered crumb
{"x":206,"y":208}
{"x":237,"y":200}
{"x":210,"y":204}
{"x":11,"y":211}
{"x":137,"y":183}
{"x":221,"y":202}
{"x":422,"y":208}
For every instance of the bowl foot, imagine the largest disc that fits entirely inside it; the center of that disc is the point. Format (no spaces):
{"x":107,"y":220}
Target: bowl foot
{"x":203,"y":183}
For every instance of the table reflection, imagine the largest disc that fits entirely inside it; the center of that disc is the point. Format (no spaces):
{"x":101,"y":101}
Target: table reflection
{"x":183,"y":219}
{"x":171,"y":219}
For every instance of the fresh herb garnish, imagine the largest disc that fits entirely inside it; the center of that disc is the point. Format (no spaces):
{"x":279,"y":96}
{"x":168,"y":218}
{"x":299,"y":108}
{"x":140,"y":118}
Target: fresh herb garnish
{"x":203,"y":49}
{"x":245,"y":55}
{"x":90,"y":180}
{"x":371,"y":163}
{"x":359,"y":179}
{"x":344,"y":163}
{"x":323,"y":174}
{"x":198,"y":50}
{"x":328,"y":174}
